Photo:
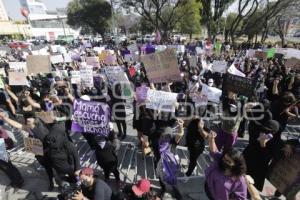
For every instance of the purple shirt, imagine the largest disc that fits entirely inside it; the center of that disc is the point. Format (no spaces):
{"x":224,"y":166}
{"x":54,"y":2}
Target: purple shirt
{"x":221,"y":186}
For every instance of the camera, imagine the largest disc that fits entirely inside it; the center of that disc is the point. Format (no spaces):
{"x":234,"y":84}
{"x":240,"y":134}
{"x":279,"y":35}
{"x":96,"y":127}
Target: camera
{"x":68,"y":191}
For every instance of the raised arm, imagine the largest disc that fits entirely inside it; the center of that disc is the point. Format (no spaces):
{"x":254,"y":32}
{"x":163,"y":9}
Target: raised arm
{"x":212,"y":143}
{"x":10,"y":121}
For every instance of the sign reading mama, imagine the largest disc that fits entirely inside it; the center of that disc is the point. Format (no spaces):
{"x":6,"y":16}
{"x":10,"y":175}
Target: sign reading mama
{"x":91,"y":117}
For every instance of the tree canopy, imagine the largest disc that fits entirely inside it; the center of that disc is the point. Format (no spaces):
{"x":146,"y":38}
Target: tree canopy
{"x":92,"y":13}
{"x":190,"y":23}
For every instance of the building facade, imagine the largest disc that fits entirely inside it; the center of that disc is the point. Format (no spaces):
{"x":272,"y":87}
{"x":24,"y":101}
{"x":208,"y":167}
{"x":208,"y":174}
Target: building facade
{"x":3,"y":14}
{"x":45,"y":23}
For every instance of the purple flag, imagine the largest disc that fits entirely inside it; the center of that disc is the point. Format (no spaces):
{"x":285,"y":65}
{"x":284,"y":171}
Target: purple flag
{"x":91,"y":117}
{"x":157,"y":37}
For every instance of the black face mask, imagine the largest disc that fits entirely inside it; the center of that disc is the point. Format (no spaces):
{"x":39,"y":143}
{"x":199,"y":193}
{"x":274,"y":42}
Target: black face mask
{"x":85,"y":184}
{"x":223,"y":166}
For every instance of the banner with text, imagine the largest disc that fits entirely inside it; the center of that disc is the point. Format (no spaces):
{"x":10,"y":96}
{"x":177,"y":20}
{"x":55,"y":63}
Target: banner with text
{"x":34,"y":146}
{"x":91,"y":117}
{"x":162,"y":66}
{"x":160,"y":100}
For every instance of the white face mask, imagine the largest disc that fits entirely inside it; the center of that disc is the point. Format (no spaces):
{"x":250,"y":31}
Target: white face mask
{"x":210,"y":84}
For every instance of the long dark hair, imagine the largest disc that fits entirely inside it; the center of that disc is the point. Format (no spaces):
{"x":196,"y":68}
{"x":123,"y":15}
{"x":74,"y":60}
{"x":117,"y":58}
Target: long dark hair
{"x":239,"y":167}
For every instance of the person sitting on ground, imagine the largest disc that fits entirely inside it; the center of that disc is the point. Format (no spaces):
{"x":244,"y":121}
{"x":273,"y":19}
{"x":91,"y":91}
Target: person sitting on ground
{"x":92,"y":188}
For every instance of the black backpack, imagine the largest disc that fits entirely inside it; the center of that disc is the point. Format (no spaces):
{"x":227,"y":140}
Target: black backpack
{"x":56,"y":148}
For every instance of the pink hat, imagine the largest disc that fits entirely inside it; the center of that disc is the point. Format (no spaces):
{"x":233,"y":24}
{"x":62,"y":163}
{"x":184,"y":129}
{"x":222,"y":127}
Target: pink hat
{"x":143,"y":186}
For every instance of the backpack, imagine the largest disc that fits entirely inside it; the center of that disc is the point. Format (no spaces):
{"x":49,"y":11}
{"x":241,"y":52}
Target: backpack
{"x":56,"y":148}
{"x":169,"y":168}
{"x":9,"y":143}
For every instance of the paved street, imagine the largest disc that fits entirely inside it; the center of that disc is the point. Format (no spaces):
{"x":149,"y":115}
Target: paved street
{"x":132,"y":165}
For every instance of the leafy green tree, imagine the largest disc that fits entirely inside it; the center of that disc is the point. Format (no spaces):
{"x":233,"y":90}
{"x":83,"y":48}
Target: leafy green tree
{"x":92,"y":13}
{"x":163,"y":15}
{"x":190,"y":23}
{"x":212,"y":13}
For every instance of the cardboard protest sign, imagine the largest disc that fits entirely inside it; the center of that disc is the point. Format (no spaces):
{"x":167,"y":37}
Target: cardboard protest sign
{"x":233,"y":70}
{"x":292,"y":53}
{"x":90,"y":117}
{"x":292,"y":63}
{"x":99,"y":49}
{"x":141,"y":94}
{"x":160,"y":100}
{"x":162,"y":66}
{"x":107,"y":57}
{"x":285,"y":175}
{"x":57,"y":59}
{"x":18,"y":67}
{"x":219,"y":66}
{"x":3,"y":152}
{"x":161,"y":47}
{"x":75,"y":77}
{"x":46,"y":117}
{"x":212,"y":94}
{"x":86,"y":75}
{"x":199,"y":99}
{"x":3,"y":53}
{"x":260,"y":55}
{"x":17,"y":78}
{"x":93,"y":61}
{"x":110,"y":59}
{"x":128,"y":57}
{"x":67,"y":58}
{"x":239,"y":85}
{"x":38,"y":64}
{"x":34,"y":146}
{"x":132,"y":48}
{"x":115,"y":74}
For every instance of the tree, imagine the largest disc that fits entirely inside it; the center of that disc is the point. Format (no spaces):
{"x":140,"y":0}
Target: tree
{"x":190,"y":23}
{"x":212,"y":13}
{"x":281,"y":22}
{"x":92,"y":13}
{"x":254,"y":15}
{"x":126,"y":22}
{"x":163,"y":15}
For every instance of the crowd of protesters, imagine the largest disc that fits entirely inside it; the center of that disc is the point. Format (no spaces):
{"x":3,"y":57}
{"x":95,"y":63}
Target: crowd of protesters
{"x":277,"y":88}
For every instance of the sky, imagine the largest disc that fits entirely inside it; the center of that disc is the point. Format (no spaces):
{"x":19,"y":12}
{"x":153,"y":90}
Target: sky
{"x":13,"y":7}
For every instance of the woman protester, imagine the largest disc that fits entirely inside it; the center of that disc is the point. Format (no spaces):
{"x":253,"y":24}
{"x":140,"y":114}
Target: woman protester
{"x":195,"y":141}
{"x":258,"y":152}
{"x":225,"y":176}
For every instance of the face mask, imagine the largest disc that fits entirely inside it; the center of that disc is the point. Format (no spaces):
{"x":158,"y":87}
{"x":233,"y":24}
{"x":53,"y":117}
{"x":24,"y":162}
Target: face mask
{"x":210,"y":84}
{"x":85,"y":184}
